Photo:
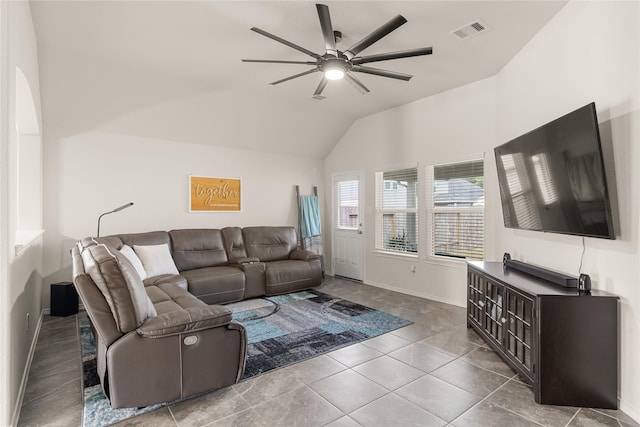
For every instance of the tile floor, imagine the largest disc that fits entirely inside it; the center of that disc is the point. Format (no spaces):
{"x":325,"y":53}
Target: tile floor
{"x":435,"y":372}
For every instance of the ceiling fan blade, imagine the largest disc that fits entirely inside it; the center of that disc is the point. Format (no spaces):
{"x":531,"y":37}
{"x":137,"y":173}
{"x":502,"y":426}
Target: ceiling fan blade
{"x":385,"y":29}
{"x":383,"y":73}
{"x":295,"y":76}
{"x":285,"y":42}
{"x":392,"y":55}
{"x":327,"y":29}
{"x":356,"y":83}
{"x":277,"y":61}
{"x":321,"y":86}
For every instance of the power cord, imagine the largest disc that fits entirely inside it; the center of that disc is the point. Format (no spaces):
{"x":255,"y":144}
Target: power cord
{"x":582,"y":256}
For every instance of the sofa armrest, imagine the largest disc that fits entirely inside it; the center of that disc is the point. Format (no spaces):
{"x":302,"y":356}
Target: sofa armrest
{"x":187,"y":320}
{"x":303,"y":255}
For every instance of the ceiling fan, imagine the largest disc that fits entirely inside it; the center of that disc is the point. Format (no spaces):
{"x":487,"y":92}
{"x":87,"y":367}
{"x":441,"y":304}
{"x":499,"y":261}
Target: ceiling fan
{"x":337,"y":64}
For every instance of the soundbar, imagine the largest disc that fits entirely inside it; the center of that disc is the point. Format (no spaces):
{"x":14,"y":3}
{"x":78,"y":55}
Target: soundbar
{"x":540,"y":272}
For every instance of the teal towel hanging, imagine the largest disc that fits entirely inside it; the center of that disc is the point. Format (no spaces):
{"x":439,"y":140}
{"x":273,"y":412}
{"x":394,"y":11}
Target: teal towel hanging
{"x":310,"y":216}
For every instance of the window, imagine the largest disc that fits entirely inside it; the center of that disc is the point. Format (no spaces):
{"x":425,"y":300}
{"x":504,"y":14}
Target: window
{"x":347,"y":204}
{"x":397,"y":211}
{"x":456,"y":209}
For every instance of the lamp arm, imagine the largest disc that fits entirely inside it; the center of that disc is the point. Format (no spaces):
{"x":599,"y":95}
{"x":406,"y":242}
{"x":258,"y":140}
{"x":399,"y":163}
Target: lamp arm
{"x":99,"y":218}
{"x":128,"y":205}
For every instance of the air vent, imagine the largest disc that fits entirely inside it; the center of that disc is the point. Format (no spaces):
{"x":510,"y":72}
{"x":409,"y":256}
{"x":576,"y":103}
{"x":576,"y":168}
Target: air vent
{"x":471,"y":30}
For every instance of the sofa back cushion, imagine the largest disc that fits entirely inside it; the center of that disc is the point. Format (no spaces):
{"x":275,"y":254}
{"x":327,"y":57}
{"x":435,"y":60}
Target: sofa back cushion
{"x":233,"y":243}
{"x":113,"y":241}
{"x":269,"y":243}
{"x":145,"y":239}
{"x":197,"y":248}
{"x":93,"y":300}
{"x":120,"y":285}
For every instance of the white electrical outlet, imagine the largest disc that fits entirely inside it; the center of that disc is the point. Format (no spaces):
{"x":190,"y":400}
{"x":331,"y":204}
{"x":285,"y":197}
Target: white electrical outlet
{"x":413,"y":268}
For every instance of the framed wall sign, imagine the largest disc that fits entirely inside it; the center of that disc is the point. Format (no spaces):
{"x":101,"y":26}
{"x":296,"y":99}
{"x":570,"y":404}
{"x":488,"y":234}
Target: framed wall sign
{"x":209,"y":194}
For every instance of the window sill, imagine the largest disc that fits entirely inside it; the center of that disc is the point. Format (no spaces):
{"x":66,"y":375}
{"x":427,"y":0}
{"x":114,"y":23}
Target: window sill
{"x":24,"y":238}
{"x":397,"y":255}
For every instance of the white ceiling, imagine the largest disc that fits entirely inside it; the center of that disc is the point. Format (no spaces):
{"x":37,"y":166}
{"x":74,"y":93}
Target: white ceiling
{"x":172,"y":69}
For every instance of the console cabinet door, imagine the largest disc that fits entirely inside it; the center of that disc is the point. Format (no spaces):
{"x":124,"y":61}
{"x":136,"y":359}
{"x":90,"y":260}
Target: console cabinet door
{"x":493,"y":312}
{"x":476,"y":285}
{"x":519,"y":334}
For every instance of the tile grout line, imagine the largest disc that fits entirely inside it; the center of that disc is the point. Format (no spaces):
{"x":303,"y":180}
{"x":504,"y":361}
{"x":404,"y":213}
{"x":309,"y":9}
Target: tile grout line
{"x":573,"y":417}
{"x":607,"y":415}
{"x":487,"y":397}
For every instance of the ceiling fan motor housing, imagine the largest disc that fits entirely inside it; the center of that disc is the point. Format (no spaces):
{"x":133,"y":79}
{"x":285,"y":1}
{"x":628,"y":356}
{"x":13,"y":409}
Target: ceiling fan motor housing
{"x":332,"y":63}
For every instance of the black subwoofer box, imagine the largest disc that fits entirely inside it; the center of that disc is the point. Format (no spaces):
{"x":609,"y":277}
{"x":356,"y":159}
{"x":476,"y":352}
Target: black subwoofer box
{"x":64,"y":299}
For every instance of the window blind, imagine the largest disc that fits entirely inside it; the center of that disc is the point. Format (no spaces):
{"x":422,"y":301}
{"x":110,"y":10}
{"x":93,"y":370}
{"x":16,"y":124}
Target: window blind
{"x":457,"y":210}
{"x":397,"y":210}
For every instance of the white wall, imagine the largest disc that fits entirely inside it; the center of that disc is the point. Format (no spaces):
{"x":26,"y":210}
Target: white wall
{"x":587,"y":52}
{"x":87,"y":174}
{"x":437,"y":129}
{"x":20,"y":278}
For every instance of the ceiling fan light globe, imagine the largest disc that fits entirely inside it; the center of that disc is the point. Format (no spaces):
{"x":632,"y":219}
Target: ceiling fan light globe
{"x":334,"y":74}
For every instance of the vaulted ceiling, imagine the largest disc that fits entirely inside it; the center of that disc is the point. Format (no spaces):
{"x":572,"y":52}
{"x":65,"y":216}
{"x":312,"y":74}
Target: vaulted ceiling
{"x":173,"y":70}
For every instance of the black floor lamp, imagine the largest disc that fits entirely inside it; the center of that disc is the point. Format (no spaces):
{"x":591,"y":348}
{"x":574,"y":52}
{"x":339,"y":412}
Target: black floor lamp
{"x":110,"y":212}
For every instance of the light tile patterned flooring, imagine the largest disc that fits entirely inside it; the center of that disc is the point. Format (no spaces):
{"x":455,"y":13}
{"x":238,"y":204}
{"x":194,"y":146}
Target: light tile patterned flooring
{"x":435,"y":372}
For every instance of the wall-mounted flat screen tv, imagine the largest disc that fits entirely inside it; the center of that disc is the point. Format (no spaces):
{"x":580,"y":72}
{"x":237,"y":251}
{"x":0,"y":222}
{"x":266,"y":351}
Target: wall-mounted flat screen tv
{"x":553,"y":179}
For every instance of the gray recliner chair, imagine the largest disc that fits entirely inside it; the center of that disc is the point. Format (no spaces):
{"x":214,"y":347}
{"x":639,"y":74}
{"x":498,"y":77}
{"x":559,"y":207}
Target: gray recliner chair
{"x":156,"y":343}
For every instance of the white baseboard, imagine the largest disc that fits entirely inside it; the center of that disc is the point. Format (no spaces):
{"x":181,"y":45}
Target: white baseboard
{"x":629,"y":410}
{"x":25,"y":374}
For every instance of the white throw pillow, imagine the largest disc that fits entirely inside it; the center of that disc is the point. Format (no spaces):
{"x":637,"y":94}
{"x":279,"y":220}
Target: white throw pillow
{"x":156,"y":259}
{"x":134,"y":260}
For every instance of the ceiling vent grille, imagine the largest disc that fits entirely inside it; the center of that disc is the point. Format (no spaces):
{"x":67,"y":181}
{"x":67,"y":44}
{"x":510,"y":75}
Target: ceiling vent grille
{"x":470,"y":30}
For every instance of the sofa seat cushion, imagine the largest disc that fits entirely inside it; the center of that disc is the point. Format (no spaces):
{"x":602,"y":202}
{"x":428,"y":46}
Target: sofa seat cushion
{"x":180,"y":312}
{"x":175,"y":279}
{"x":170,"y":297}
{"x":291,"y":275}
{"x":215,"y":285}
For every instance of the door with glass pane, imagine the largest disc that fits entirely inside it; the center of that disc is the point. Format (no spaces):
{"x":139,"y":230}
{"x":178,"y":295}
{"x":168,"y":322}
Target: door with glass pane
{"x":348,"y":226}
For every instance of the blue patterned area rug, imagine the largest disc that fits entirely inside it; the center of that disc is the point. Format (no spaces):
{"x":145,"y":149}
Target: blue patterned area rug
{"x":287,"y":329}
{"x":281,"y":330}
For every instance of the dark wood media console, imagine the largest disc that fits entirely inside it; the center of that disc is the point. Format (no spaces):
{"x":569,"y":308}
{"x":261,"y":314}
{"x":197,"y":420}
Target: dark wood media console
{"x":562,"y":342}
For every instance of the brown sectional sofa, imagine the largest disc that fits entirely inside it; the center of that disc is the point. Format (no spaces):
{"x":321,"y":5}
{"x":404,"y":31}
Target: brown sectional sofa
{"x":166,"y":337}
